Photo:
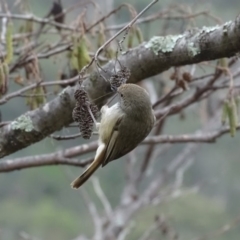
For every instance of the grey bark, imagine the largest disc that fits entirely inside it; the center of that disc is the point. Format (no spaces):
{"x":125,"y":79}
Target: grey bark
{"x":148,"y":59}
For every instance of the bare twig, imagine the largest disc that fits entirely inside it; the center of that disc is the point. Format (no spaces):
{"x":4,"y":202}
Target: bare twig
{"x":94,"y":214}
{"x":68,"y":137}
{"x":33,"y":18}
{"x":224,"y":229}
{"x":18,"y":93}
{"x":125,"y":28}
{"x":101,"y":195}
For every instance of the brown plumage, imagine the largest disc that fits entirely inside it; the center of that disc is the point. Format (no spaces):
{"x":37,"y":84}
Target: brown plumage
{"x":123,"y":126}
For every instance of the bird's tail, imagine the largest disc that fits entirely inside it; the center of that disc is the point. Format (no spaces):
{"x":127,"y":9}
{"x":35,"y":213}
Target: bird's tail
{"x":99,"y":158}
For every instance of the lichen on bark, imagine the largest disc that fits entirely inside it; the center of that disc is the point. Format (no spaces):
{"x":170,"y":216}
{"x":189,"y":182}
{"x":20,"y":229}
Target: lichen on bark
{"x":23,"y":122}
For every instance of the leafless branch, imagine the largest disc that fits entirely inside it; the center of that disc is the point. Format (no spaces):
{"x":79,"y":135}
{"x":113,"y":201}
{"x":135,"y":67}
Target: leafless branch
{"x":64,"y":157}
{"x":94,"y":214}
{"x":224,"y":229}
{"x":209,"y":137}
{"x":59,"y":157}
{"x":99,"y":192}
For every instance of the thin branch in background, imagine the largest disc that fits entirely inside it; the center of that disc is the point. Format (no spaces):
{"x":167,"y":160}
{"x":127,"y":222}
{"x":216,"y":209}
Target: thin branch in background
{"x":18,"y":93}
{"x":165,"y":97}
{"x":102,"y":197}
{"x":126,"y":231}
{"x":219,"y":232}
{"x":180,"y":173}
{"x":155,"y":157}
{"x":33,"y":18}
{"x":36,"y":95}
{"x":204,"y":137}
{"x":26,"y":236}
{"x":102,"y":19}
{"x":164,"y":14}
{"x":130,"y":166}
{"x":147,"y":234}
{"x":177,"y":107}
{"x":68,"y":137}
{"x":64,"y":157}
{"x":153,"y":191}
{"x":161,"y":225}
{"x":149,"y":152}
{"x":94,"y":214}
{"x":74,"y":125}
{"x":125,"y":28}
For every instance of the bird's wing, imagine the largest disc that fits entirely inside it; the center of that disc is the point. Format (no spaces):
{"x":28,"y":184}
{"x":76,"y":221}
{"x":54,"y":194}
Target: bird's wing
{"x":111,"y":145}
{"x":105,"y":153}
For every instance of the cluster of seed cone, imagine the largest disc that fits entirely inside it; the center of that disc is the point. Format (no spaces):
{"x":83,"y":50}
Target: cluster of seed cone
{"x":81,"y":113}
{"x":119,"y":78}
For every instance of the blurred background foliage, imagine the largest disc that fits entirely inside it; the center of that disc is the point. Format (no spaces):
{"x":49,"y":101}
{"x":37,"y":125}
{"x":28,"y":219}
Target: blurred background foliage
{"x":40,"y":201}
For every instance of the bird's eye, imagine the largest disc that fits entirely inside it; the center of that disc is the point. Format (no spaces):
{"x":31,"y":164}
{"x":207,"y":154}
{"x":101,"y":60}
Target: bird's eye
{"x":121,"y":95}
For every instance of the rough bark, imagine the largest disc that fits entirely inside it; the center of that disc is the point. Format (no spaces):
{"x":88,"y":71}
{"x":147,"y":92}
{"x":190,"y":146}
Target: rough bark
{"x":148,"y":59}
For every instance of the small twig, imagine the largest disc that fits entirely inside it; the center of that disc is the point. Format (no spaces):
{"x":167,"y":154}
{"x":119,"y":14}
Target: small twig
{"x":33,"y":18}
{"x":18,"y":93}
{"x":95,"y":58}
{"x":102,"y":197}
{"x":92,"y":116}
{"x":94,"y":214}
{"x":166,"y":96}
{"x":226,"y":228}
{"x":126,"y":231}
{"x":199,"y":92}
{"x":36,"y":95}
{"x":146,"y":235}
{"x":180,"y":173}
{"x":129,"y":25}
{"x":105,"y":17}
{"x":25,"y":236}
{"x":69,"y":137}
{"x":159,"y":15}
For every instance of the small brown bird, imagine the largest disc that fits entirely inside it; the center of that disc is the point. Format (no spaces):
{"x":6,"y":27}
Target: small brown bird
{"x":123,"y":126}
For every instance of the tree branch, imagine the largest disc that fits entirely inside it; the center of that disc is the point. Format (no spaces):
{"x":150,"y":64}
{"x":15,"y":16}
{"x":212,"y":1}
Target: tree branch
{"x":210,"y":137}
{"x":146,"y":60}
{"x":59,"y":157}
{"x":161,"y":53}
{"x":64,"y":157}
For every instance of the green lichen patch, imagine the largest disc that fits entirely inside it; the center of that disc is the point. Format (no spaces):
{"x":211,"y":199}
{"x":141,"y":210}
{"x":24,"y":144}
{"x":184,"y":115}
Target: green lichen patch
{"x":23,"y":123}
{"x":163,"y":44}
{"x":193,"y":50}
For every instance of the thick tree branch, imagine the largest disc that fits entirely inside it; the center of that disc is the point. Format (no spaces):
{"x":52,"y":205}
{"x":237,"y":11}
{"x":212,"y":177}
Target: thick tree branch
{"x":35,"y":125}
{"x":161,"y":53}
{"x":146,"y":60}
